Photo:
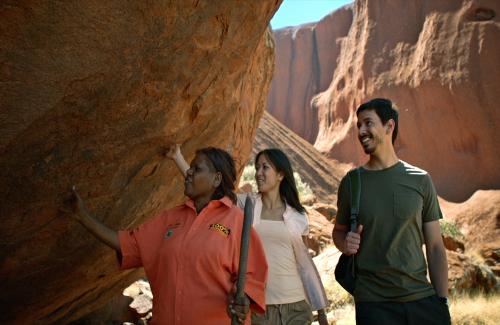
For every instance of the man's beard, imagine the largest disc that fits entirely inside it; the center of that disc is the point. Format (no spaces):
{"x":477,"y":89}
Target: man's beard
{"x":373,"y":143}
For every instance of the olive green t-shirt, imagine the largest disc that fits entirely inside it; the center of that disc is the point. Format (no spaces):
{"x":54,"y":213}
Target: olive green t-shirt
{"x":394,"y":204}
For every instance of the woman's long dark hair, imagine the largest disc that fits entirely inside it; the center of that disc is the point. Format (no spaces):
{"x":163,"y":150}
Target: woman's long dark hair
{"x":288,"y":188}
{"x":223,"y":163}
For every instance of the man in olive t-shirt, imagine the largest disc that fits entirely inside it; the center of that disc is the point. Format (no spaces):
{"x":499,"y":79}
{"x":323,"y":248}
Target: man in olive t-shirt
{"x":398,"y":214}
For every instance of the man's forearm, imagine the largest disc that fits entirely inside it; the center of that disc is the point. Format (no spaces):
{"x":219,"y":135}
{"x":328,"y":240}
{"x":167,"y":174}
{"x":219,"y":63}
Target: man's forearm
{"x":438,"y":270}
{"x":339,"y":239}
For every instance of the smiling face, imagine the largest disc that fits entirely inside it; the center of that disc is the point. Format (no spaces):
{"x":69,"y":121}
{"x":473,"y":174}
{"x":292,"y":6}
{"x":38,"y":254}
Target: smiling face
{"x":266,"y":176}
{"x":372,"y":134}
{"x":201,"y":178}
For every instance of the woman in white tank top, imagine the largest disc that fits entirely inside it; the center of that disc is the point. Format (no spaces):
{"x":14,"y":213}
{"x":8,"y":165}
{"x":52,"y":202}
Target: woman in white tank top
{"x":294,"y":287}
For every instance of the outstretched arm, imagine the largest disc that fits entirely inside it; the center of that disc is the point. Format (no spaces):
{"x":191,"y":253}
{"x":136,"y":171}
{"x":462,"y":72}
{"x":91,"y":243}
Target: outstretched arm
{"x":105,"y":234}
{"x":174,"y":153}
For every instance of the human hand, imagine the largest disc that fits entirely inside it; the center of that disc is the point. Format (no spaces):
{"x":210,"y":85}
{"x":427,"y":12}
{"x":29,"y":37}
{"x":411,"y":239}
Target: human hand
{"x":173,"y":152}
{"x":322,"y":319}
{"x":74,"y":205}
{"x":352,"y":241}
{"x":238,"y":307}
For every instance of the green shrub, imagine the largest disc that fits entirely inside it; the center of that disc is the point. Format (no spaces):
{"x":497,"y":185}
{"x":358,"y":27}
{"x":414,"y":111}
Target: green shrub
{"x":302,"y":187}
{"x":248,"y":176}
{"x":450,"y":229}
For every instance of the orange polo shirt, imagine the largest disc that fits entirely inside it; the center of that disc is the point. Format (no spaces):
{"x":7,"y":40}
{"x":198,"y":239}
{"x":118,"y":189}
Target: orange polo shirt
{"x":191,"y":262}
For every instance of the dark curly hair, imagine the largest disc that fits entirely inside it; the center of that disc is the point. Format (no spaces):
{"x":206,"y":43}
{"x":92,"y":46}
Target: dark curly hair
{"x":223,"y":163}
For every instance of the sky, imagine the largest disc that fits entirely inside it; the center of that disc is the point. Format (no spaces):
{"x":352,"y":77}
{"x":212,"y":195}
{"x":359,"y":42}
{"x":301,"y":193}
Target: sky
{"x":297,"y":12}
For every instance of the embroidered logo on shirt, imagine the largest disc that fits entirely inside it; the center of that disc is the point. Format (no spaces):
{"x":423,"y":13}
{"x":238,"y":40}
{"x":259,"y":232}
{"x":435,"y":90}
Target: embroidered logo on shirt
{"x":223,"y":230}
{"x":170,"y":230}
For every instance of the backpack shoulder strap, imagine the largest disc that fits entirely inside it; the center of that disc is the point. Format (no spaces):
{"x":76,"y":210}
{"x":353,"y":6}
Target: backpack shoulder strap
{"x":355,"y":182}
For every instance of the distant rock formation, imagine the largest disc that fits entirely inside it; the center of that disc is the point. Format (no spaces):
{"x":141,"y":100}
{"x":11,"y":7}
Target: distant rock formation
{"x":323,"y":175}
{"x":437,"y":60}
{"x":90,"y":92}
{"x":306,"y":57}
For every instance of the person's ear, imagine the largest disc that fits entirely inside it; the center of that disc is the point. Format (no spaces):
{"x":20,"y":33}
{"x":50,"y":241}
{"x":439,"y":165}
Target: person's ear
{"x":389,"y":126}
{"x":217,"y":179}
{"x":281,"y":176}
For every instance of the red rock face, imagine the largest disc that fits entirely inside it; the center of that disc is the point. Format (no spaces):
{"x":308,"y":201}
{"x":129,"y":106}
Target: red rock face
{"x":478,"y":219}
{"x":306,"y":57}
{"x":438,"y":61}
{"x":90,"y":92}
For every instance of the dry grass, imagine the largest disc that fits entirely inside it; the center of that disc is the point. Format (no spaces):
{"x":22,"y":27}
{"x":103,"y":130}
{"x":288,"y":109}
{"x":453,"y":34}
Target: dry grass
{"x":475,"y":310}
{"x":338,"y":296}
{"x":343,"y":316}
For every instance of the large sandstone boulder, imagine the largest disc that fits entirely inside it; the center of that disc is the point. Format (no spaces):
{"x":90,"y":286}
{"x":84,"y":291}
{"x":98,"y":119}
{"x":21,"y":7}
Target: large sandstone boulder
{"x":90,"y":92}
{"x":306,"y":57}
{"x":320,"y":231}
{"x":437,"y":59}
{"x":465,"y":274}
{"x":478,"y":219}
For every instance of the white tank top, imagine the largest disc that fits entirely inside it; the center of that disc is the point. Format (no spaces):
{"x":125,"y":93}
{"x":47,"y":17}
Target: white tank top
{"x":284,"y":284}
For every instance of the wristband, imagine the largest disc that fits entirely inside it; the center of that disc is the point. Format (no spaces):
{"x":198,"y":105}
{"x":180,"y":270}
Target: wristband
{"x":443,"y":300}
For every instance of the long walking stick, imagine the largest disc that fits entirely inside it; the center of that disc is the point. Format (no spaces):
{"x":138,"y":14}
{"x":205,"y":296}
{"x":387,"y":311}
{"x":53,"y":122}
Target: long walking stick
{"x":245,"y":242}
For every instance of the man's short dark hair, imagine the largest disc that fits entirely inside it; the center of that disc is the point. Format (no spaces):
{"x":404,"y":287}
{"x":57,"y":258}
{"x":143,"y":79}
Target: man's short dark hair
{"x":385,"y":110}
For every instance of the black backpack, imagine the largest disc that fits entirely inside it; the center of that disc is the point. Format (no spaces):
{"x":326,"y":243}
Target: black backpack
{"x":345,"y":271}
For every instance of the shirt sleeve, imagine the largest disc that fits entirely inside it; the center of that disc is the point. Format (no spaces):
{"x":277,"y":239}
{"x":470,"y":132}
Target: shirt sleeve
{"x":130,"y":254}
{"x":256,"y":276}
{"x":431,"y":210}
{"x":343,"y":202}
{"x":305,"y":224}
{"x":137,"y":242}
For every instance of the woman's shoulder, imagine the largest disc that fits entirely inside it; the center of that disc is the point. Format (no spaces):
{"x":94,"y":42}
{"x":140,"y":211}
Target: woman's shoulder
{"x":296,"y":216}
{"x":297,"y":220}
{"x":295,"y":213}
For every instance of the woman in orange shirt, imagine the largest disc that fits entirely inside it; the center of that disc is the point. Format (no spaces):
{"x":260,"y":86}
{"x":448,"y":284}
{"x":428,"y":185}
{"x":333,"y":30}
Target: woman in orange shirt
{"x":190,"y":253}
{"x":294,"y":288}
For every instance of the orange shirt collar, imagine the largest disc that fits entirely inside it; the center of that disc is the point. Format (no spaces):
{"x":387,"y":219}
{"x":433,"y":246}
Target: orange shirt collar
{"x":225,"y":200}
